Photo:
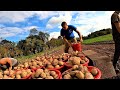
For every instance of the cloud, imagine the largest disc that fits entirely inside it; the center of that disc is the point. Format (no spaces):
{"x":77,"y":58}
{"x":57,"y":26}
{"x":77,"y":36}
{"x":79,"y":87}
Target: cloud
{"x":56,"y":21}
{"x":15,"y":31}
{"x":20,"y":16}
{"x":14,"y":16}
{"x":93,"y":21}
{"x":54,"y":35}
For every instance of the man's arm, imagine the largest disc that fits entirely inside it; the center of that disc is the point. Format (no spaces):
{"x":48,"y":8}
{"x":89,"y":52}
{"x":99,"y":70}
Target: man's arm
{"x":117,"y":25}
{"x":115,"y":20}
{"x":79,"y":34}
{"x":65,"y":40}
{"x":10,"y":63}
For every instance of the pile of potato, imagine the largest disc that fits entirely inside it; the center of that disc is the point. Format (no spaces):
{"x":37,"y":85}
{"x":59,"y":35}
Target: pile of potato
{"x":44,"y":74}
{"x":15,"y":74}
{"x":79,"y":72}
{"x":54,"y":63}
{"x":39,"y":68}
{"x":74,"y":60}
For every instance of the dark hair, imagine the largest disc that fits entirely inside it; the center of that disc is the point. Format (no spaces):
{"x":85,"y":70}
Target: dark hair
{"x":63,"y":23}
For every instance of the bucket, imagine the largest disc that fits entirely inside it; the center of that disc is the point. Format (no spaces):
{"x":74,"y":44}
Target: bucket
{"x":57,"y":71}
{"x":69,"y":66}
{"x":76,"y":47}
{"x":98,"y":76}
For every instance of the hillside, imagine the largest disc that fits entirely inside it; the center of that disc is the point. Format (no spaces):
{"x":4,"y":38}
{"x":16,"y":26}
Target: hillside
{"x":98,"y":39}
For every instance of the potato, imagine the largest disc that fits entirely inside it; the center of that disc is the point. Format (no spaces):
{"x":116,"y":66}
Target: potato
{"x":40,"y":64}
{"x":47,"y":74}
{"x":80,"y":75}
{"x":23,"y":74}
{"x":55,"y":62}
{"x":28,"y":70}
{"x":72,"y":73}
{"x":6,"y":73}
{"x":43,"y":75}
{"x":18,"y":77}
{"x":50,"y":66}
{"x":37,"y":58}
{"x":39,"y":78}
{"x":51,"y":60}
{"x":76,"y":61}
{"x":39,"y":70}
{"x":1,"y":76}
{"x":86,"y":59}
{"x":49,"y":77}
{"x":5,"y":77}
{"x":85,"y":69}
{"x":67,"y":76}
{"x":80,"y":68}
{"x":94,"y":71}
{"x":15,"y":68}
{"x":82,"y":62}
{"x":18,"y":72}
{"x":75,"y":67}
{"x":60,"y":63}
{"x":53,"y":73}
{"x":33,"y":75}
{"x":26,"y":65}
{"x":34,"y":63}
{"x":57,"y":66}
{"x":37,"y":74}
{"x":55,"y":76}
{"x":88,"y":75}
{"x":65,"y":57}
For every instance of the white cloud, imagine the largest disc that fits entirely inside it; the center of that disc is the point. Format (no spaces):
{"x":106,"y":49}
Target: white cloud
{"x":93,"y":22}
{"x":14,"y":16}
{"x":56,"y":21}
{"x":15,"y":31}
{"x":54,"y":35}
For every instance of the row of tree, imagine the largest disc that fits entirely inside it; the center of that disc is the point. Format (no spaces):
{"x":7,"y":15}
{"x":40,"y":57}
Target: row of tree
{"x":98,"y":33}
{"x":36,"y":42}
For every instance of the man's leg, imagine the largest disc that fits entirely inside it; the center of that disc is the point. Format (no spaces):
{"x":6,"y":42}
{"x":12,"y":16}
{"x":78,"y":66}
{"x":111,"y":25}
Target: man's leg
{"x":66,"y":47}
{"x":116,"y":54}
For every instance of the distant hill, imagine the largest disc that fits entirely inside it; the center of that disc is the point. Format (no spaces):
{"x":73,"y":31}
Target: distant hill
{"x":98,"y":33}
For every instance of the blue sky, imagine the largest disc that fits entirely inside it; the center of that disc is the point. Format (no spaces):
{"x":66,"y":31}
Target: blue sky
{"x":15,"y":25}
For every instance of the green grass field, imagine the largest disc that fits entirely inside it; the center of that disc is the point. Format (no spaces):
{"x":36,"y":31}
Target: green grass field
{"x":98,"y":39}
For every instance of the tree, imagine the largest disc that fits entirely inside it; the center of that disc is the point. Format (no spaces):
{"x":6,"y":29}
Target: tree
{"x":33,"y":31}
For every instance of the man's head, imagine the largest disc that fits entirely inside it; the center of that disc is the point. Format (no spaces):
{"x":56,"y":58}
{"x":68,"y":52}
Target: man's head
{"x":117,"y":12}
{"x":64,"y":25}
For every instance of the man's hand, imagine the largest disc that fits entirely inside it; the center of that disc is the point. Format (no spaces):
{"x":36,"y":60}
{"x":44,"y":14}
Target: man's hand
{"x":81,"y":40}
{"x":10,"y":70}
{"x":70,"y":44}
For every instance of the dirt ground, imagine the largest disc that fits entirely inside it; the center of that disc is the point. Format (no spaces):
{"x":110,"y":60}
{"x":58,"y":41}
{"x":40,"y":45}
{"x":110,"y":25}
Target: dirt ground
{"x":103,"y":49}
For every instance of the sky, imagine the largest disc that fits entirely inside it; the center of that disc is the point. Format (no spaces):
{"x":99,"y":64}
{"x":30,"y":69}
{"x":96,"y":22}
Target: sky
{"x":15,"y":25}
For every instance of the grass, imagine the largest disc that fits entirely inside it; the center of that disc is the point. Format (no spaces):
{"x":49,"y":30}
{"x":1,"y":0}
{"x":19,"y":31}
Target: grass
{"x":98,"y":39}
{"x":24,"y":58}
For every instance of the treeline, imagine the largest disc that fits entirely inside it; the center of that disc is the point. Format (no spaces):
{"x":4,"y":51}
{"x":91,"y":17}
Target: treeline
{"x":98,"y":33}
{"x":36,"y":42}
